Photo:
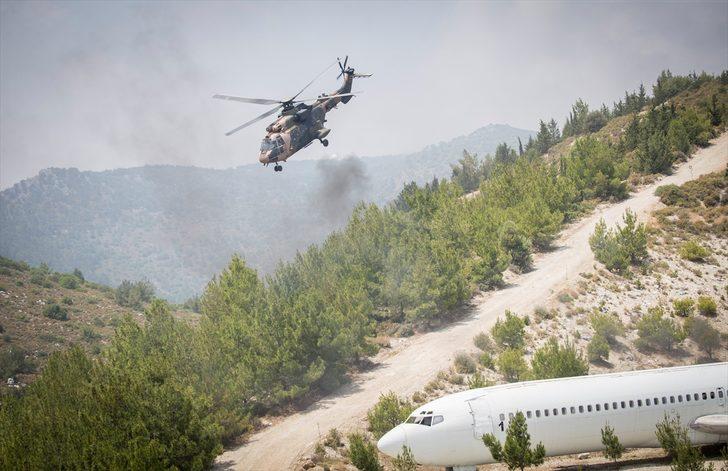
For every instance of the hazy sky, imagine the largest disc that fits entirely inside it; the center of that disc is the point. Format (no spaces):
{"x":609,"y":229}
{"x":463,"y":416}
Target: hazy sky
{"x":99,"y":85}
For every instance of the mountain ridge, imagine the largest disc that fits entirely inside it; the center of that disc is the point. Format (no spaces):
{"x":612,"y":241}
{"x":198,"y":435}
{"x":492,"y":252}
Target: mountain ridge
{"x":178,"y":225}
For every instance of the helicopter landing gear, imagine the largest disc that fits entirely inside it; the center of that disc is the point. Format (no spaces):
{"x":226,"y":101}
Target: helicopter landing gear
{"x":278,"y":168}
{"x":325,"y":142}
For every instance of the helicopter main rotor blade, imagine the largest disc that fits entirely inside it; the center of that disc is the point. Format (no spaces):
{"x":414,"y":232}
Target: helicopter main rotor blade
{"x":264,"y":115}
{"x":312,"y":81}
{"x":325,"y":97}
{"x":257,"y":101}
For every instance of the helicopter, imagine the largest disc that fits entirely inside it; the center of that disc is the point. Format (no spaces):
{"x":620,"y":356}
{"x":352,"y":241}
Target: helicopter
{"x":298,"y":123}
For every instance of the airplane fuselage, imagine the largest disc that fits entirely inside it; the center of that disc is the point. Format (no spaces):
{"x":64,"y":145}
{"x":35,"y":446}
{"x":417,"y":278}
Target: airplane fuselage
{"x":567,"y":414}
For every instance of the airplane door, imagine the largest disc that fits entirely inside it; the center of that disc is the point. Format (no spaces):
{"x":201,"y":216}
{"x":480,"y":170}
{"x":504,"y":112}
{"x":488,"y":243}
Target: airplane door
{"x":721,"y":396}
{"x":482,"y":421}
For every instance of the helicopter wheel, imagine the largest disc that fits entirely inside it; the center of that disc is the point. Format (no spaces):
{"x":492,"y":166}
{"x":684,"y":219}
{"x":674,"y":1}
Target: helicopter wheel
{"x":325,"y":142}
{"x":278,"y":168}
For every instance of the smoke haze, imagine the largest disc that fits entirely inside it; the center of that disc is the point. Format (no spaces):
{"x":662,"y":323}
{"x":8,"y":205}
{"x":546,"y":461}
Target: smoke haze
{"x":343,"y":184}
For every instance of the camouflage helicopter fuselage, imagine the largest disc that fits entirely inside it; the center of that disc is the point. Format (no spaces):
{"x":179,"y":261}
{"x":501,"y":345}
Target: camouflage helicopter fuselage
{"x":298,"y":126}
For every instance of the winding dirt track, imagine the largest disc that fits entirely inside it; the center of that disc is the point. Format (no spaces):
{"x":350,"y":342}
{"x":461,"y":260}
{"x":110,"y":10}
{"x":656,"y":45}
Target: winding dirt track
{"x":416,"y":360}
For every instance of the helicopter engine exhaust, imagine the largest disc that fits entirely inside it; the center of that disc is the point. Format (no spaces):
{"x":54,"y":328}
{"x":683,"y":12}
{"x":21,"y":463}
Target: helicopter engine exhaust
{"x":323,"y":133}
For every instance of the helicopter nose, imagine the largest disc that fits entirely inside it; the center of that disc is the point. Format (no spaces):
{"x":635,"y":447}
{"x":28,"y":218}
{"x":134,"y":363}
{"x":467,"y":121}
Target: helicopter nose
{"x":392,"y":442}
{"x":263,"y":158}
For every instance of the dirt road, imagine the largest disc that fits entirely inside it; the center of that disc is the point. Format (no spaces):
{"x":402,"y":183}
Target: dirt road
{"x":414,"y":361}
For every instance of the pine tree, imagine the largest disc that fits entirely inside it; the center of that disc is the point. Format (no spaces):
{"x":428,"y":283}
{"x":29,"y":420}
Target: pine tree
{"x":516,"y":453}
{"x":613,"y":448}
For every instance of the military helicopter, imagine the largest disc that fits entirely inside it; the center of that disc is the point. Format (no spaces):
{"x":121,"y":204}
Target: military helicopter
{"x":298,"y":124}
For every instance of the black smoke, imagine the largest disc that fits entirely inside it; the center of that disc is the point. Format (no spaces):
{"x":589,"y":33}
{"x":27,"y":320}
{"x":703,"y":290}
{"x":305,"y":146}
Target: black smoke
{"x":343,"y":183}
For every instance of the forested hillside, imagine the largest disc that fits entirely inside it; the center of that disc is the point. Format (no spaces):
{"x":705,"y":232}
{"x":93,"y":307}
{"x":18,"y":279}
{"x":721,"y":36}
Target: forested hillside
{"x":177,"y":226}
{"x":169,"y":394}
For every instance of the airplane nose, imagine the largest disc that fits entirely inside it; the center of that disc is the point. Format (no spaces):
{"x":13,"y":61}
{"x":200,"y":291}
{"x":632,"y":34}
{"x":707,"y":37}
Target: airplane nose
{"x":391,"y":442}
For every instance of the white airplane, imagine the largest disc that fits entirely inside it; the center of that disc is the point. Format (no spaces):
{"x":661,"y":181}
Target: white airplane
{"x":566,"y":414}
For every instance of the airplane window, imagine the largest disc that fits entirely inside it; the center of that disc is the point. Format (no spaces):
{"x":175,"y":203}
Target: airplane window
{"x":573,"y":410}
{"x":546,"y":412}
{"x":712,"y":394}
{"x":631,"y":403}
{"x":538,"y":413}
{"x":556,"y":411}
{"x":647,"y":401}
{"x":614,"y":405}
{"x":510,"y":416}
{"x":720,"y":393}
{"x":664,"y":400}
{"x":563,"y":411}
{"x":599,"y":407}
{"x":410,"y":420}
{"x":429,"y":412}
{"x":581,"y":409}
{"x":687,"y":397}
{"x":655,"y":401}
{"x":606,"y":406}
{"x":427,"y":420}
{"x":502,"y":417}
{"x":589,"y":408}
{"x":528,"y":414}
{"x":705,"y":396}
{"x":437,"y":419}
{"x":672,"y":399}
{"x":639,"y":402}
{"x":679,"y":398}
{"x":624,"y":405}
{"x":696,"y":396}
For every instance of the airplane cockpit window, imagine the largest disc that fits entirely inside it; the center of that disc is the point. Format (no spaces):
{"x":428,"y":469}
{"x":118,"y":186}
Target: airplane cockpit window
{"x":425,"y":418}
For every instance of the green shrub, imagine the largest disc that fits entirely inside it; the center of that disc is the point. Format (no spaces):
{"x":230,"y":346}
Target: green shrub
{"x":553,"y":360}
{"x":675,"y":440}
{"x":683,"y":307}
{"x":621,"y":247}
{"x":516,"y":452}
{"x":405,"y":460}
{"x":333,"y":439}
{"x":477,"y":380}
{"x":68,"y":281}
{"x":512,"y":365}
{"x":673,"y":195}
{"x":13,"y":362}
{"x":67,"y":301}
{"x":89,"y":334}
{"x":658,"y":332}
{"x":598,"y":349}
{"x":703,"y":334}
{"x":54,"y":311}
{"x":134,"y":294}
{"x":517,"y":245}
{"x":613,"y":449}
{"x":693,"y":251}
{"x":707,"y":306}
{"x":387,"y":413}
{"x":508,"y":333}
{"x":465,"y":364}
{"x":607,"y":326}
{"x":541,"y":313}
{"x":486,"y":360}
{"x":482,"y":341}
{"x":363,"y":453}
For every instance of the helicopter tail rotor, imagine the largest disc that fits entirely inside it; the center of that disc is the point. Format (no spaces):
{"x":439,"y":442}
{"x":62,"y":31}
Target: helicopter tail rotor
{"x":349,"y":70}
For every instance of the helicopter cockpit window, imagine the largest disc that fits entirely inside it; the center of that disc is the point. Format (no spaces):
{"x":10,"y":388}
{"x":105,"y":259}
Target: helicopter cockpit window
{"x":266,"y":145}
